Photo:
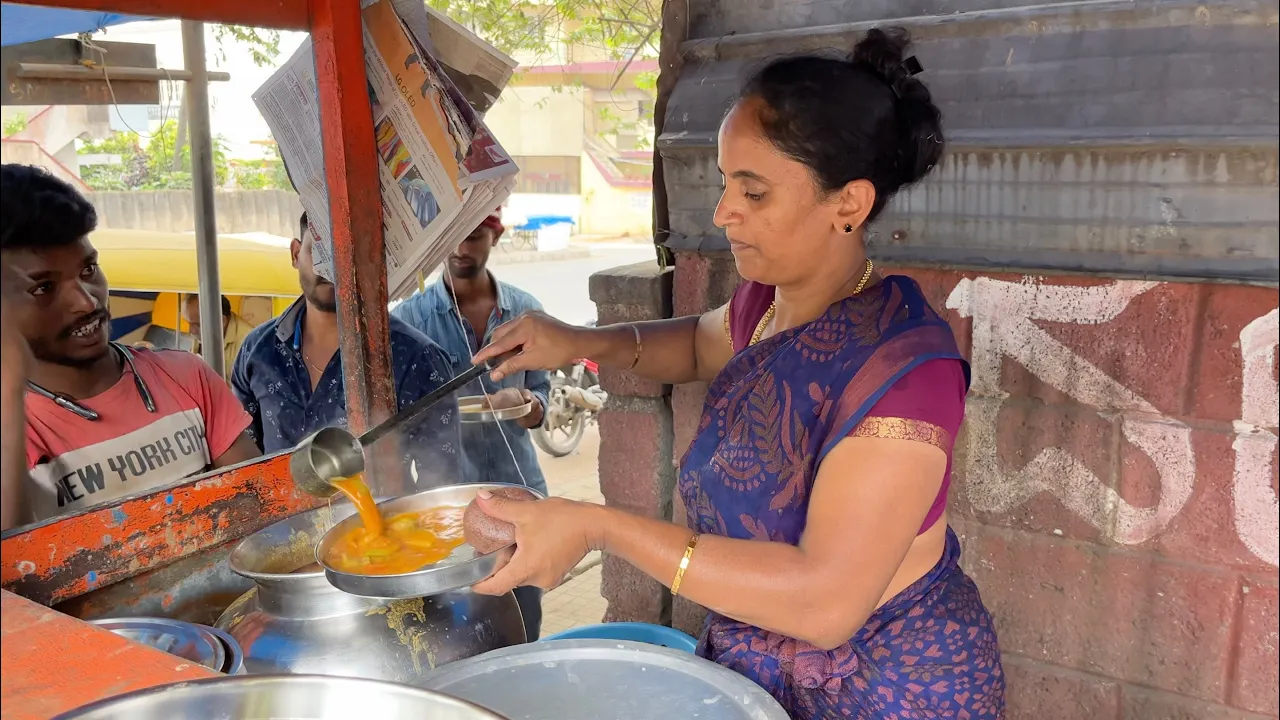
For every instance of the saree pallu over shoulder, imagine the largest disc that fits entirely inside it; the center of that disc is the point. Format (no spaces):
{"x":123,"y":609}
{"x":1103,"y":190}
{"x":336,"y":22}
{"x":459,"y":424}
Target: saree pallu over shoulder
{"x":770,"y":418}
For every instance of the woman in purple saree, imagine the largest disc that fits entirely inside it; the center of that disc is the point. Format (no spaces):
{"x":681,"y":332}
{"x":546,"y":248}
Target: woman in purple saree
{"x":816,"y":484}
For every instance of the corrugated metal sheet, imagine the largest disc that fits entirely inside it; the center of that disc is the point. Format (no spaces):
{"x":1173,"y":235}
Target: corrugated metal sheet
{"x":1134,"y":138}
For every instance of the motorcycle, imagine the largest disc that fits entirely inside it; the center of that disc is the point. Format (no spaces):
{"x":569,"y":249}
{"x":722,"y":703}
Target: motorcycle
{"x":574,"y":403}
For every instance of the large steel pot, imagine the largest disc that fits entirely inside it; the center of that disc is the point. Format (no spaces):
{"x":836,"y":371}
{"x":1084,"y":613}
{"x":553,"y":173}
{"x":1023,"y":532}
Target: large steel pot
{"x":296,"y":697}
{"x":604,"y":680}
{"x":296,"y":622}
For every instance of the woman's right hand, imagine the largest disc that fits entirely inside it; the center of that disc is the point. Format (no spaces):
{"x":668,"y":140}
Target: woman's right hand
{"x":544,"y":343}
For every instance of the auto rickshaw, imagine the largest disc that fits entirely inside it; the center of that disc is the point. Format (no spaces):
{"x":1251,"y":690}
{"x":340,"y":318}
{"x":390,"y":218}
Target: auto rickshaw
{"x":150,"y":274}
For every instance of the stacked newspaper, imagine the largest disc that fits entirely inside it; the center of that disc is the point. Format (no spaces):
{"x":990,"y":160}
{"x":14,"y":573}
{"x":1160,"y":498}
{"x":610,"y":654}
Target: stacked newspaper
{"x":442,"y":171}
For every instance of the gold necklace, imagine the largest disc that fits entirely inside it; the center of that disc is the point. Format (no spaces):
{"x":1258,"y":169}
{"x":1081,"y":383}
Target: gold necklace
{"x":773,"y":306}
{"x":310,"y":364}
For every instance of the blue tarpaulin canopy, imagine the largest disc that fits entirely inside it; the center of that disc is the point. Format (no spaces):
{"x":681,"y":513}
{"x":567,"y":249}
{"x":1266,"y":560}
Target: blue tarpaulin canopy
{"x":28,"y":23}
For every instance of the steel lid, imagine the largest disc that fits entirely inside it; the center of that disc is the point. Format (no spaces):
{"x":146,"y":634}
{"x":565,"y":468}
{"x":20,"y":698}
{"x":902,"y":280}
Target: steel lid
{"x":603,"y":680}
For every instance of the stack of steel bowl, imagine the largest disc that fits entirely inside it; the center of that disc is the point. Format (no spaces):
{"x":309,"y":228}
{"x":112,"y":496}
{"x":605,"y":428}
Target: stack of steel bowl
{"x":203,"y":645}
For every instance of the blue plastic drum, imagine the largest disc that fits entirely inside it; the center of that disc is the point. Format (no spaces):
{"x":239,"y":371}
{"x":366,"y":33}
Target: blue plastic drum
{"x":633,"y":631}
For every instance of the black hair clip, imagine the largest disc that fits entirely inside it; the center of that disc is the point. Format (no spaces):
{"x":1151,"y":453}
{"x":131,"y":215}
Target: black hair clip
{"x":911,"y":66}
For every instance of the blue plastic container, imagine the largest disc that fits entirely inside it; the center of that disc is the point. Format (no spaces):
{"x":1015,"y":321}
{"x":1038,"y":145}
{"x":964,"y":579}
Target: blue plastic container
{"x":634,"y":631}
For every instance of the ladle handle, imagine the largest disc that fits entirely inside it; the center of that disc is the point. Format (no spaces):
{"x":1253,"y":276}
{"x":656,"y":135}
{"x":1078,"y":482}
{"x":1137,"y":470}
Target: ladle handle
{"x":426,"y":401}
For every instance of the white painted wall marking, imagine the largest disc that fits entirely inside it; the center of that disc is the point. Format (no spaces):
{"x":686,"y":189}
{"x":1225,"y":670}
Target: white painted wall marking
{"x":1257,"y":509}
{"x":1004,"y":315}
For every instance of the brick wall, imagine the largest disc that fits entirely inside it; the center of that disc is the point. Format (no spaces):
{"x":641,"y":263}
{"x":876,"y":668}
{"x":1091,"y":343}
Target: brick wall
{"x":1115,"y":485}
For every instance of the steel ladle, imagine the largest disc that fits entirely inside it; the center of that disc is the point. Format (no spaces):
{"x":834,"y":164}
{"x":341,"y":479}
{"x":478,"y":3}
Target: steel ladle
{"x":334,"y":453}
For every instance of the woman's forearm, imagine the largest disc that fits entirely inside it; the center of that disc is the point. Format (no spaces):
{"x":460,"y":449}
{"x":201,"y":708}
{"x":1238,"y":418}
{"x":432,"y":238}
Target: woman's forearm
{"x":766,"y":584}
{"x":667,"y":348}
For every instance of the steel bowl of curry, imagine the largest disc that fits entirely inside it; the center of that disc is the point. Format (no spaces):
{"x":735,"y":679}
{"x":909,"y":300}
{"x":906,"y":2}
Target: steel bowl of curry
{"x":408,"y":547}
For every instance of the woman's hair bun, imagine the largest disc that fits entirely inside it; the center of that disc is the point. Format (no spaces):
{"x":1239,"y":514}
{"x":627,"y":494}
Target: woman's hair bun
{"x":883,"y":52}
{"x":864,"y":117}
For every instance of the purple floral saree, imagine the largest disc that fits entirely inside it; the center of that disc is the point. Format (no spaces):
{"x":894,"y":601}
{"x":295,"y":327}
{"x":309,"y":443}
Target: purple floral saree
{"x":770,"y":417}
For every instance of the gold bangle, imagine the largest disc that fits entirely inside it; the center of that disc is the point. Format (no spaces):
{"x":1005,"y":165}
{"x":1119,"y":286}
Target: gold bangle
{"x":684,"y":565}
{"x":639,"y":348}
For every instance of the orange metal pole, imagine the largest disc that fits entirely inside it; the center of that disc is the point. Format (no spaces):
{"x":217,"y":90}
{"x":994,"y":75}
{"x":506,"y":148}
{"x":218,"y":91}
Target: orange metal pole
{"x":278,"y":14}
{"x":355,"y":210}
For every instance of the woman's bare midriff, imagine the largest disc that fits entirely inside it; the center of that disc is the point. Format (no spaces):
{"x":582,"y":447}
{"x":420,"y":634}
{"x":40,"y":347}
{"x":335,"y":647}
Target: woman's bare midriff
{"x":923,"y":555}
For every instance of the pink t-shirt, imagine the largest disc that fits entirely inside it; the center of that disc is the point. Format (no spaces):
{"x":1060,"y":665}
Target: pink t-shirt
{"x":76,"y":463}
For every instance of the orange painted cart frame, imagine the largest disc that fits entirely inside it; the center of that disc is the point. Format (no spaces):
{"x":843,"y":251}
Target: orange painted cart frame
{"x":159,"y":550}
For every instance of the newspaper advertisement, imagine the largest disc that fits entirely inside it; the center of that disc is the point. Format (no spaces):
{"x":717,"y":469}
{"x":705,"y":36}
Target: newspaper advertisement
{"x":441,"y":170}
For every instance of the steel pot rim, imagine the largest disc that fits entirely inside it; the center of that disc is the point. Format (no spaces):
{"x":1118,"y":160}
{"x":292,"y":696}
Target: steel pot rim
{"x":351,"y":683}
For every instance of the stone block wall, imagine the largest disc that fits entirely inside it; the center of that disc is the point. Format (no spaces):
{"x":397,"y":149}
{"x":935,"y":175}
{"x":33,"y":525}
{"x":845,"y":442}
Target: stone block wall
{"x":636,"y":472}
{"x":1115,"y":484}
{"x":238,"y":211}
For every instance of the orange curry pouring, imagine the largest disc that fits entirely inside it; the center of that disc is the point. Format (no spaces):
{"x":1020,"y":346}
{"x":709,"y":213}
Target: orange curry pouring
{"x":400,"y":544}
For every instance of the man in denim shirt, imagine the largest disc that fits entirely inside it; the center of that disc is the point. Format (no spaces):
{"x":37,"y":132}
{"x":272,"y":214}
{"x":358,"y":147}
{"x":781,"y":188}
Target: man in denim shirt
{"x":288,"y":375}
{"x":492,"y":452}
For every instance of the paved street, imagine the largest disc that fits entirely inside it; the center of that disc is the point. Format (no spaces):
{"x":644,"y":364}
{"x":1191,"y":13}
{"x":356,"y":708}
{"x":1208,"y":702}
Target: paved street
{"x":577,"y":602}
{"x":561,"y":285}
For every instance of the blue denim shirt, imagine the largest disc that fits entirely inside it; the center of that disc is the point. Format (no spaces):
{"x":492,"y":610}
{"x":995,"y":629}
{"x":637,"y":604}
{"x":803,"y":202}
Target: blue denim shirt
{"x":270,"y":377}
{"x":485,"y":454}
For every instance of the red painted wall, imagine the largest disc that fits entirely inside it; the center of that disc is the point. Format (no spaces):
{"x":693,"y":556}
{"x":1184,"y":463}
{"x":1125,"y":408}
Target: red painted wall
{"x":1116,"y":486}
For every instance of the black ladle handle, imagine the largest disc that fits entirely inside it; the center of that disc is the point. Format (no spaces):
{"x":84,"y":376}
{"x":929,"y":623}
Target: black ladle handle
{"x":426,"y":401}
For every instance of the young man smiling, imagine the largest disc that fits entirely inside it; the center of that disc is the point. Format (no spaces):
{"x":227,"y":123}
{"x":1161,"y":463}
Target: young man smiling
{"x":102,"y":420}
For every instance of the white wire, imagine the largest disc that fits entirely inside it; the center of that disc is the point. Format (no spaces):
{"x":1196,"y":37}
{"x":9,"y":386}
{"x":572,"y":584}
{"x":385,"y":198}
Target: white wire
{"x":457,"y":310}
{"x":87,"y":41}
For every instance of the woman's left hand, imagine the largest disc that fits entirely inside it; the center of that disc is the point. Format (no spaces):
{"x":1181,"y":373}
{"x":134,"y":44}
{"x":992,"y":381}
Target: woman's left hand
{"x":552,"y":536}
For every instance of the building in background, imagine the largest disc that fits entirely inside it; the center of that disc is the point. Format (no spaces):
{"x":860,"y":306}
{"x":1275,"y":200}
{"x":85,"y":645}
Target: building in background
{"x":47,"y":136}
{"x":62,"y":138}
{"x":578,"y":124}
{"x":577,"y":121}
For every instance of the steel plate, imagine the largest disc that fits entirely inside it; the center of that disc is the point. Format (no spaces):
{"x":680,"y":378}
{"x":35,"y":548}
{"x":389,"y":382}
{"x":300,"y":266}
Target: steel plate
{"x":461,"y":569}
{"x":471,"y":409}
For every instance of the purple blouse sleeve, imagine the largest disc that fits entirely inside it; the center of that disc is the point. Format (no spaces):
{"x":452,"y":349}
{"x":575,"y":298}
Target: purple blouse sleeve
{"x":926,"y":404}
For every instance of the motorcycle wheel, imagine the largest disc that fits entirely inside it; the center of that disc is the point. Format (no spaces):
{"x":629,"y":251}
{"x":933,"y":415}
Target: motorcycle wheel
{"x":565,"y":439}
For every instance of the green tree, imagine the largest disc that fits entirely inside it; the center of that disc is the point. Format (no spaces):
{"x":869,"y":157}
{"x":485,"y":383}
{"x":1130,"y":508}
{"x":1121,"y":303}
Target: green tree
{"x":14,"y":124}
{"x":263,"y":45}
{"x":265,"y":174}
{"x":624,"y":29}
{"x":148,"y":166}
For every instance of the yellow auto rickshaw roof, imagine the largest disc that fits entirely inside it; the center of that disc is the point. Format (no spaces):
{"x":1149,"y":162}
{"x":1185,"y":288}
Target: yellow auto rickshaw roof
{"x":147,"y":261}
